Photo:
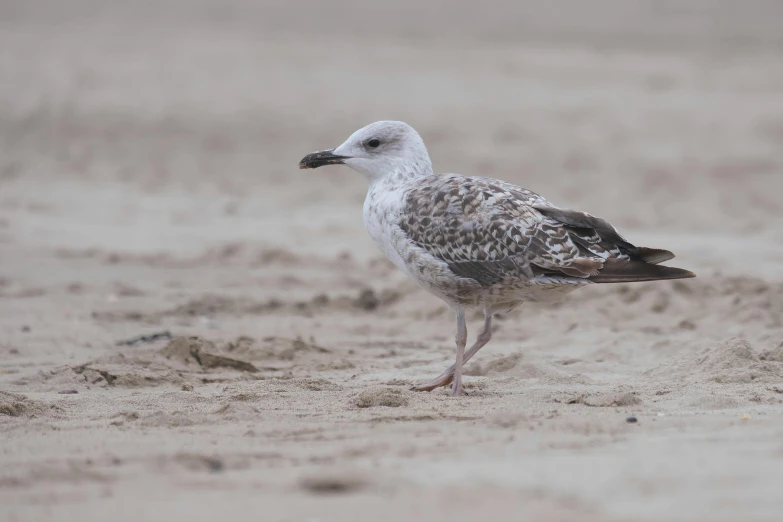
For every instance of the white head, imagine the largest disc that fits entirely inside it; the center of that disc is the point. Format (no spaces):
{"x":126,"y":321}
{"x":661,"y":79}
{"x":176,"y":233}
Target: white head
{"x":378,"y":150}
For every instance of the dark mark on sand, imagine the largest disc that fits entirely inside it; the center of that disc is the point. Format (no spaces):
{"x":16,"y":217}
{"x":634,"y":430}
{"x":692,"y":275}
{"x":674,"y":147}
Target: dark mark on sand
{"x":150,"y":338}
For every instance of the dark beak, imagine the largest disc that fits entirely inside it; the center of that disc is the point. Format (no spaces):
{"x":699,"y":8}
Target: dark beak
{"x":321,"y":158}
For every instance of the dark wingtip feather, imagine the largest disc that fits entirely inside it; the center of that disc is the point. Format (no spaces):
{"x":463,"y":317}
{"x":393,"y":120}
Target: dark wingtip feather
{"x":627,"y":272}
{"x":654,"y":255}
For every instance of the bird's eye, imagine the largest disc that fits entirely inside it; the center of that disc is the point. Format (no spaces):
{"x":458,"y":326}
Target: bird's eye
{"x":373,"y":143}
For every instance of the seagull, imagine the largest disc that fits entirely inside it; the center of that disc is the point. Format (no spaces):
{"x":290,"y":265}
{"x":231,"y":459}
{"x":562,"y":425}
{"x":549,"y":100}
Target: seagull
{"x":477,"y":243}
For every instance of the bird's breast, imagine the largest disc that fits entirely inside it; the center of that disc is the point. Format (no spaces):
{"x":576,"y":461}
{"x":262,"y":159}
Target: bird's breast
{"x":381,"y":219}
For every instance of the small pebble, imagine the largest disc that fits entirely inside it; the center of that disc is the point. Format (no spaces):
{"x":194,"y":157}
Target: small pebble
{"x":745,"y":418}
{"x":68,"y":392}
{"x":215,"y":465}
{"x":631,"y":420}
{"x":328,"y":484}
{"x":186,"y":386}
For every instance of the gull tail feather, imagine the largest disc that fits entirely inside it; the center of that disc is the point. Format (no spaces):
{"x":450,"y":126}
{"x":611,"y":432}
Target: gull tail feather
{"x":621,"y":271}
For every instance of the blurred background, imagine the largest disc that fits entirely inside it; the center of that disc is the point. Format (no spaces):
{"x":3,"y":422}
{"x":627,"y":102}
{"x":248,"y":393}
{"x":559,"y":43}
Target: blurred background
{"x":149,"y":184}
{"x":159,"y":125}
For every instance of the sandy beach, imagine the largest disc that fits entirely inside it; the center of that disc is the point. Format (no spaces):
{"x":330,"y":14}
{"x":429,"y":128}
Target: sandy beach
{"x":191,"y":328}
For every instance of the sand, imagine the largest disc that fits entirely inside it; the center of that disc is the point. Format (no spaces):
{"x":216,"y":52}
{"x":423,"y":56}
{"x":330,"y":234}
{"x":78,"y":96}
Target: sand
{"x":148,"y":187}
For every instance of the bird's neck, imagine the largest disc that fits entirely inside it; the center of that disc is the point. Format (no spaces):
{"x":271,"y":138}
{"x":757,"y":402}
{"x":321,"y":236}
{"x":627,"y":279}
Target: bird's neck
{"x":399,"y":175}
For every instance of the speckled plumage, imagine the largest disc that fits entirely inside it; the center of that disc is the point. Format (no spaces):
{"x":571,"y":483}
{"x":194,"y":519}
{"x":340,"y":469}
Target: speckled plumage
{"x":480,"y":243}
{"x":474,"y":242}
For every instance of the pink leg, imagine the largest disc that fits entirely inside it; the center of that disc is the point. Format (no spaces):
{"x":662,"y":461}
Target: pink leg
{"x":462,"y":339}
{"x":447,"y":377}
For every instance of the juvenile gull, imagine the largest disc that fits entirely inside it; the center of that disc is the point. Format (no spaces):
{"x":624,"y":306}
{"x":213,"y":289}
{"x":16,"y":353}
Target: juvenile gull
{"x":480,"y":243}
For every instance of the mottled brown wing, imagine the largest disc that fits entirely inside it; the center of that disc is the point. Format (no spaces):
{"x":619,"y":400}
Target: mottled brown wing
{"x":598,"y":236}
{"x":491,"y":231}
{"x":622,"y":261}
